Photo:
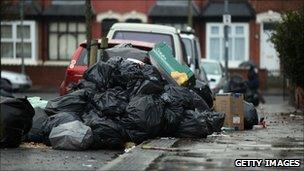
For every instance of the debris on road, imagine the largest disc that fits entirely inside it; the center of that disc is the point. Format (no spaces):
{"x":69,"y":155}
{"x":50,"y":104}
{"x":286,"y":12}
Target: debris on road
{"x":147,"y":147}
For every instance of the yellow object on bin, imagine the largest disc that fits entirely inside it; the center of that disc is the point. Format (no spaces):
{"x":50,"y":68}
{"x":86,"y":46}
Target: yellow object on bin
{"x":179,"y":77}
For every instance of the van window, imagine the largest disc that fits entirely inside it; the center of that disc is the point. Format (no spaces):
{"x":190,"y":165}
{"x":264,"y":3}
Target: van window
{"x":188,"y":47}
{"x":145,"y":37}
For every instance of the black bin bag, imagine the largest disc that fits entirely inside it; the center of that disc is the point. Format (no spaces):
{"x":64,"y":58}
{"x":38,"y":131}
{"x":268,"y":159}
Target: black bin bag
{"x":215,"y":120}
{"x":152,"y":82}
{"x":200,"y":124}
{"x":100,"y":74}
{"x":193,"y":125}
{"x":16,"y":118}
{"x":107,"y":133}
{"x":73,"y":102}
{"x":111,"y":102}
{"x":250,"y":115}
{"x":126,"y":51}
{"x":143,"y":119}
{"x":36,"y":134}
{"x":43,"y":125}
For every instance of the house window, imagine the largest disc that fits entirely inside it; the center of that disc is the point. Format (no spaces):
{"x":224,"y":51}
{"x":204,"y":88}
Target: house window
{"x":238,"y":42}
{"x":11,"y":34}
{"x":64,"y":38}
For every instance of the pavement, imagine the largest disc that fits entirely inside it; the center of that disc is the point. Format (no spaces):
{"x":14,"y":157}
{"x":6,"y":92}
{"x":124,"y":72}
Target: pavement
{"x":283,"y":138}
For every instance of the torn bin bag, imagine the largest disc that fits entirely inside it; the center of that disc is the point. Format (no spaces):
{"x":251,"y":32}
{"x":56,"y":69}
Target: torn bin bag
{"x":143,"y":118}
{"x":71,"y":136}
{"x":73,"y":102}
{"x":250,"y":115}
{"x":16,"y":120}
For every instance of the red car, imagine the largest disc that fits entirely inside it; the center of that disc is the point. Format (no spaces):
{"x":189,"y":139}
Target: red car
{"x":78,"y":63}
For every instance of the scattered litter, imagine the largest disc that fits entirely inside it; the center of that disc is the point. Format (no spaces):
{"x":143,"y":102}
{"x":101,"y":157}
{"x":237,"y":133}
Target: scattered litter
{"x":129,"y":146}
{"x":33,"y":145}
{"x":258,"y":127}
{"x":86,"y":165}
{"x":37,"y":102}
{"x":147,"y":147}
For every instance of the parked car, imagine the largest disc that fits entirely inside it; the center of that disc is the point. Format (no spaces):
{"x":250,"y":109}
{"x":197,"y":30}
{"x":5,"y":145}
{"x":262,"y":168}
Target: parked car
{"x":17,"y":81}
{"x":215,"y":74}
{"x":79,"y":61}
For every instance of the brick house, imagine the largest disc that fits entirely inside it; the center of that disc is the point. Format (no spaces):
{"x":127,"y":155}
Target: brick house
{"x":54,"y":28}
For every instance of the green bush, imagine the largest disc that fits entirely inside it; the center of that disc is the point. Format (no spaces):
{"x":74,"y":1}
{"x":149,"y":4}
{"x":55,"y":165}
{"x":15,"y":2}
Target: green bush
{"x":289,"y":43}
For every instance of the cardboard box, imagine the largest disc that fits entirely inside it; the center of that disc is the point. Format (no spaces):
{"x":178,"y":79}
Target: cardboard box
{"x":232,"y":105}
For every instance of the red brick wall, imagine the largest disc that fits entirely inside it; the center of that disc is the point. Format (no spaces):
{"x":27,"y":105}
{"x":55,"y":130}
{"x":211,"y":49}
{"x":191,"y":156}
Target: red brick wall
{"x":122,"y":6}
{"x":45,"y":76}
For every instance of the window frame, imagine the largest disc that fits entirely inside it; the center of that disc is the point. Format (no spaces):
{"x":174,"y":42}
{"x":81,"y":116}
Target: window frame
{"x":15,"y":40}
{"x":59,"y":33}
{"x":233,"y":35}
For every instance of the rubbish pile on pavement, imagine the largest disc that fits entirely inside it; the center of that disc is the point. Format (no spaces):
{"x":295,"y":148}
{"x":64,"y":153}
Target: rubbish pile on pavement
{"x":117,"y":101}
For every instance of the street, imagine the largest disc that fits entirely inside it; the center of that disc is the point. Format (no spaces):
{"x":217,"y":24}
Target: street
{"x":282,"y":139}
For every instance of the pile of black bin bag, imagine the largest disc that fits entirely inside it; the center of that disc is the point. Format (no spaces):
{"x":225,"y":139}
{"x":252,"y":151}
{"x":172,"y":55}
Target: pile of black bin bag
{"x":123,"y":100}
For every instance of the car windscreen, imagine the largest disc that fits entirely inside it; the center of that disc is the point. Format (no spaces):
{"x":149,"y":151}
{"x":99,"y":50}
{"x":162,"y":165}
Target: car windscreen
{"x":212,"y":68}
{"x":145,"y":37}
{"x":83,"y":59}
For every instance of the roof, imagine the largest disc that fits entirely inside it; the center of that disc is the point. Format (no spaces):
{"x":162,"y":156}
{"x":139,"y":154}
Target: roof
{"x":29,"y":9}
{"x":65,"y":10}
{"x":237,"y":9}
{"x":144,"y":27}
{"x":169,"y":8}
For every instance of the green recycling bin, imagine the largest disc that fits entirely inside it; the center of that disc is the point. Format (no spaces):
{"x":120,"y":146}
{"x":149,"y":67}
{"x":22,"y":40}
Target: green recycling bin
{"x":162,"y":58}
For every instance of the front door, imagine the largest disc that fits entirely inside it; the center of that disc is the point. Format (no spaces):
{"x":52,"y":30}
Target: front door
{"x":269,"y":56}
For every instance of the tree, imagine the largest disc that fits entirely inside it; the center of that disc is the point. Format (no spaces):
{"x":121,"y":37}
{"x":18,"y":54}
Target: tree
{"x":88,"y":17}
{"x":289,"y":43}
